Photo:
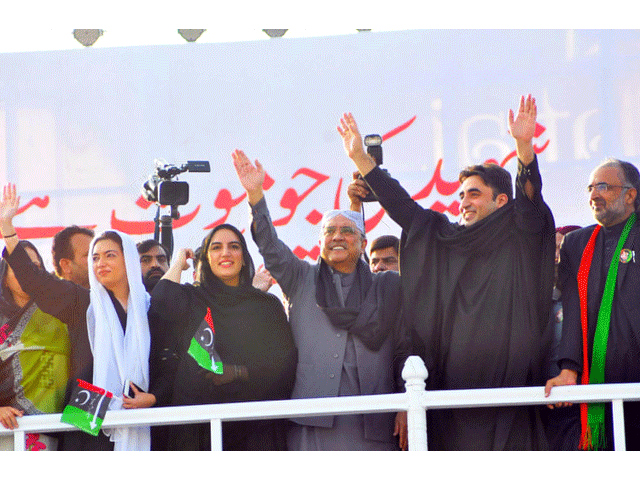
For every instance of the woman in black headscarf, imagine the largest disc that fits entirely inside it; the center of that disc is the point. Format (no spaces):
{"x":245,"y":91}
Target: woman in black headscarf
{"x":251,"y":345}
{"x":34,"y":355}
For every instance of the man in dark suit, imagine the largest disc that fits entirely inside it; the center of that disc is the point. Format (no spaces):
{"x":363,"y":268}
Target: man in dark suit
{"x":599,"y":270}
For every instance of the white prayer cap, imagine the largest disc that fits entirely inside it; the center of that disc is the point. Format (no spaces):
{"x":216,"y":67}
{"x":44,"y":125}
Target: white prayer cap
{"x":356,"y":217}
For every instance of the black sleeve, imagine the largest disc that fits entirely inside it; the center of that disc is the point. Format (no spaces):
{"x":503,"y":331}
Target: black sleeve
{"x":168,"y":312}
{"x":531,"y":214}
{"x":393,"y":197}
{"x":402,"y":350}
{"x":60,"y":298}
{"x":272,"y":371}
{"x":282,"y":263}
{"x":170,"y":301}
{"x":163,"y":360}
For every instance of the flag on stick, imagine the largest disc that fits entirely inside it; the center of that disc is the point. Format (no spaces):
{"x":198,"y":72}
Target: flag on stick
{"x":202,"y":346}
{"x":87,"y":407}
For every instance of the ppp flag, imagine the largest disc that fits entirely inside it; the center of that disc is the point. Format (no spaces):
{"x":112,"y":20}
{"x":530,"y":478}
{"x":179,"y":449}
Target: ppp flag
{"x":87,"y":407}
{"x":202,"y":346}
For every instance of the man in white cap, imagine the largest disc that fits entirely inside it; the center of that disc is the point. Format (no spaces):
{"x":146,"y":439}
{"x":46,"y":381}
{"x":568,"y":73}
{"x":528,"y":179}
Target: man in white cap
{"x":345,"y":323}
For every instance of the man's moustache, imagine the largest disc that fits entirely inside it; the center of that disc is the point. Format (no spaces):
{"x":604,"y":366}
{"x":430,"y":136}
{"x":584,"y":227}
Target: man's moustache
{"x":153,"y":271}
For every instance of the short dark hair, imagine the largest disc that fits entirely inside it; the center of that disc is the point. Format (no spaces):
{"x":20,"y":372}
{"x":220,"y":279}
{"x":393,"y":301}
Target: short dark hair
{"x":630,"y":174}
{"x":385,"y":241}
{"x":61,"y":247}
{"x":146,"y":245}
{"x":493,"y":176}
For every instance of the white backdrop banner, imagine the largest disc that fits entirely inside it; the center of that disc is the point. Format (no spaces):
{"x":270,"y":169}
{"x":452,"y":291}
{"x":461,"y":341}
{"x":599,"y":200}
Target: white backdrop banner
{"x":79,"y":130}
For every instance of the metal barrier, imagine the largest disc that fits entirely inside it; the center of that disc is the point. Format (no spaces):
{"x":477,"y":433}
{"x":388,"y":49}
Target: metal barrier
{"x":415,"y":401}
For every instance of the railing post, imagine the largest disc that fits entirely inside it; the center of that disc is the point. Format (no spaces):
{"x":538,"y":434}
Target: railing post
{"x":19,"y":441}
{"x":216,"y":435}
{"x":415,"y":375}
{"x":619,"y":440}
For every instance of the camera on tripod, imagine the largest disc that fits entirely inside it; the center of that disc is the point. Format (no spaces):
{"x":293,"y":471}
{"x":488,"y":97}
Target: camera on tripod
{"x":162,"y":189}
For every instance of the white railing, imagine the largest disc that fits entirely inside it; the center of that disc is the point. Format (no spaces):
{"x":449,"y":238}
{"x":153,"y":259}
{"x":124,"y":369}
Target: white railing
{"x":415,"y":401}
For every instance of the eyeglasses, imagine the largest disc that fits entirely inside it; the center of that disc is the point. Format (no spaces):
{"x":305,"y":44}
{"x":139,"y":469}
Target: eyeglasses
{"x":603,"y":187}
{"x":331,"y":231}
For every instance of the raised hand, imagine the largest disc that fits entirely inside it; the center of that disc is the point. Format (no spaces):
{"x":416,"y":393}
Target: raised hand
{"x":263,"y":280}
{"x":523,"y":126}
{"x":348,"y":130}
{"x":183,"y":255}
{"x":178,"y":265}
{"x":10,"y":204}
{"x":251,"y":176}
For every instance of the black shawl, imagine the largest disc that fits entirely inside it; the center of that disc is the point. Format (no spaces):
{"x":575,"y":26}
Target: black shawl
{"x":370,"y":308}
{"x":483,"y":288}
{"x":477,"y":301}
{"x":251,"y":329}
{"x":480,"y":299}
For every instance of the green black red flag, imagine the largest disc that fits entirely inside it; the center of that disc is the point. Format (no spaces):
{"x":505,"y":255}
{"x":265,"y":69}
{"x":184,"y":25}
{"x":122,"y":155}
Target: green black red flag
{"x":87,"y":407}
{"x":202,"y":346}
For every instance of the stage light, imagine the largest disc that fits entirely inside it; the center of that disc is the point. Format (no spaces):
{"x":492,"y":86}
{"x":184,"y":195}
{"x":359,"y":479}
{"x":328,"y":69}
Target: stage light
{"x":275,"y":33}
{"x":87,"y":37}
{"x":190,"y":35}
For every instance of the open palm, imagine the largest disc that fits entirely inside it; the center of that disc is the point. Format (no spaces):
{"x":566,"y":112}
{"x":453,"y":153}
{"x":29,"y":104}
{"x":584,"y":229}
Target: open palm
{"x":523,"y":126}
{"x":10,"y":203}
{"x":251,"y":176}
{"x":348,"y":130}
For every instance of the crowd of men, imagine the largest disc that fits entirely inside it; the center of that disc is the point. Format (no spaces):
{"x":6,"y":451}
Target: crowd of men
{"x":501,"y":298}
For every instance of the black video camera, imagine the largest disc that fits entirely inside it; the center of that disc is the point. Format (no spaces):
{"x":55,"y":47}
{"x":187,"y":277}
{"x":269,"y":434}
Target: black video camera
{"x":160,"y":188}
{"x":374,"y":148}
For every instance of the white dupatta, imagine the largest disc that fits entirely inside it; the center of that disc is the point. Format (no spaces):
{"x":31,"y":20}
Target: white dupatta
{"x":118,"y":355}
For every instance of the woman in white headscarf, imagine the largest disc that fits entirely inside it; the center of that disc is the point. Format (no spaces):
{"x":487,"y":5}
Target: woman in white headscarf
{"x":108,"y":325}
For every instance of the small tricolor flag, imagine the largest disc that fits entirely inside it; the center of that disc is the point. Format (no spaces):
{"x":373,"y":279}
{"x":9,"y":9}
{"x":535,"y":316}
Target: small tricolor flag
{"x":87,"y":407}
{"x":202,"y":346}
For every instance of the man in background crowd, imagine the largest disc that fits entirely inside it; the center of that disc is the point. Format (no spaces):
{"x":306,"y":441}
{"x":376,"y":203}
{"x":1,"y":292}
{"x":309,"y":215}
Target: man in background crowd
{"x":383,"y":254}
{"x":70,"y":251}
{"x":154,"y":262}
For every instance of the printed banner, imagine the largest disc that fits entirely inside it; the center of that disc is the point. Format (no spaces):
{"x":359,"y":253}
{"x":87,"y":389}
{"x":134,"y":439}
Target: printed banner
{"x":80,"y":129}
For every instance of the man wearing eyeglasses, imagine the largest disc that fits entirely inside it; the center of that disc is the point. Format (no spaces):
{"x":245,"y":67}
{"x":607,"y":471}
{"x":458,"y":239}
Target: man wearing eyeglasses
{"x":477,"y":293}
{"x":599,"y":274}
{"x":345,"y":323}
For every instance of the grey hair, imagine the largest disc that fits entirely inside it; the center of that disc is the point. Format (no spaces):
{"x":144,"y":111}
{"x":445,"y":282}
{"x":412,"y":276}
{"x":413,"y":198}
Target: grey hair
{"x":630,"y":174}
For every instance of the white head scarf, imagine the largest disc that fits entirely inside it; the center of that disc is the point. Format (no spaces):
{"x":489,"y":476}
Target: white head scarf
{"x":120,"y":356}
{"x":356,"y":217}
